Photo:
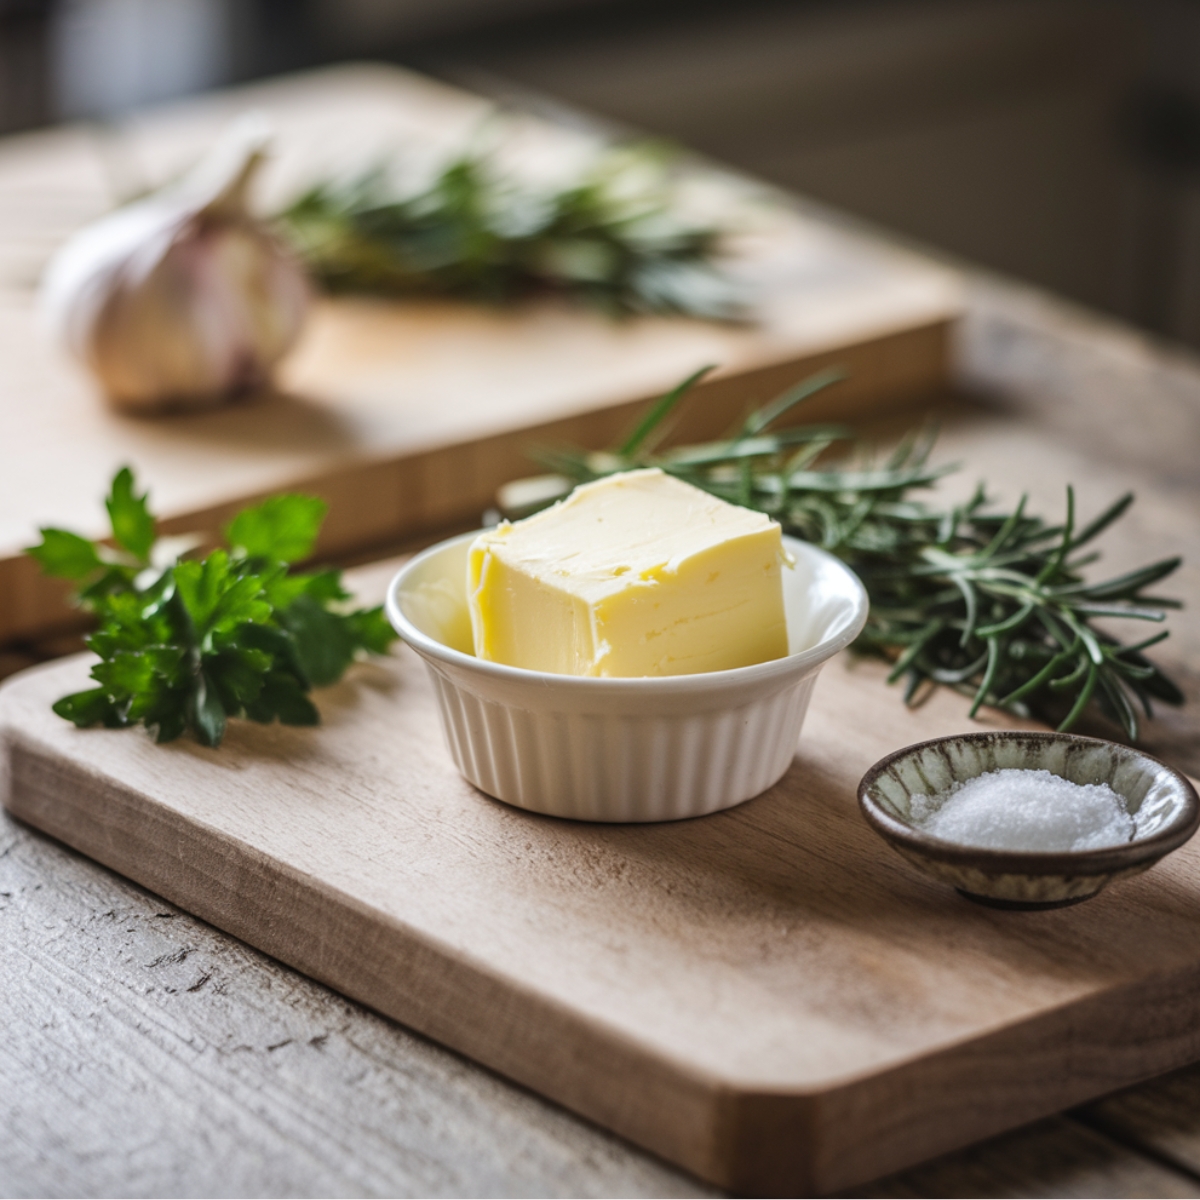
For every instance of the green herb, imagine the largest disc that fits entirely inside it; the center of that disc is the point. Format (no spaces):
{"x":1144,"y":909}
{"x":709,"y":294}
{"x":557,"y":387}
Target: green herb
{"x":993,"y":604}
{"x":186,"y":643}
{"x":610,"y":239}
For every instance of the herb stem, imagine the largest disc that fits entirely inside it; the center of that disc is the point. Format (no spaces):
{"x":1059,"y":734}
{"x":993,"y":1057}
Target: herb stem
{"x":990,"y":603}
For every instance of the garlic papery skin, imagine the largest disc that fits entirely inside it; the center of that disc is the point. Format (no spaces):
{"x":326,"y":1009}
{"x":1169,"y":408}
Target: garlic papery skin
{"x":182,"y":300}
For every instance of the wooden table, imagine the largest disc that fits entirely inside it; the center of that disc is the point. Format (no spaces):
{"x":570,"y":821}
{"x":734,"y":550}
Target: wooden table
{"x":146,"y":1053}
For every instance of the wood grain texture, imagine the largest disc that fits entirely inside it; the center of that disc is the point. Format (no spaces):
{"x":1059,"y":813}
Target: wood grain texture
{"x":1163,"y":1116}
{"x":147,"y":1054}
{"x":407,"y":416}
{"x":768,"y":996}
{"x":1058,"y":1157}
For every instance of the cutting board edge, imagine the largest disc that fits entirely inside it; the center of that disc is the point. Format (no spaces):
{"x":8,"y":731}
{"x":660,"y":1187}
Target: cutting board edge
{"x":909,"y":1125}
{"x":734,"y":1133}
{"x":377,"y":499}
{"x":673,"y":1110}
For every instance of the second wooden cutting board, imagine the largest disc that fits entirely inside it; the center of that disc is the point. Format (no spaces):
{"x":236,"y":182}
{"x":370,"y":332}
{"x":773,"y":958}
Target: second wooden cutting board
{"x":768,"y":996}
{"x":408,"y":416}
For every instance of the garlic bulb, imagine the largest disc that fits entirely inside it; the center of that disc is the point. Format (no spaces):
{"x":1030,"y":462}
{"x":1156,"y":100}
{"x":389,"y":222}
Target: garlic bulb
{"x":181,"y":300}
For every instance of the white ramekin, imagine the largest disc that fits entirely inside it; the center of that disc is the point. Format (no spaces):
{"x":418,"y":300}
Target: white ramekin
{"x":622,"y":749}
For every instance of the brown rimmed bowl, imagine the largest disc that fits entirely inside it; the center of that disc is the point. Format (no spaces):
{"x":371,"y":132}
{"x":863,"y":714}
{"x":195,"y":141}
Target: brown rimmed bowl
{"x":1163,"y":804}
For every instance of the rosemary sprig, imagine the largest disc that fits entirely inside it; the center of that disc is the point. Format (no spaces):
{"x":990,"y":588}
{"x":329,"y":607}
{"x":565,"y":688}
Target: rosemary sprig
{"x":992,"y":604}
{"x":611,"y":239}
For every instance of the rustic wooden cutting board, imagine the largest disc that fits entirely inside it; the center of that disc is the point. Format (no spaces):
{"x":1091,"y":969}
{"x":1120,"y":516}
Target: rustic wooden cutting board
{"x":408,"y":416}
{"x":769,"y":996}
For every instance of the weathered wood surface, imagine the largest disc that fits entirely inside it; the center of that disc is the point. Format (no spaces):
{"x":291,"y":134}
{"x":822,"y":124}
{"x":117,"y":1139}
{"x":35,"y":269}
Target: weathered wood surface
{"x":148,"y":1054}
{"x":768,"y":996}
{"x":1057,"y":1157}
{"x":144,"y":1053}
{"x":1163,"y":1116}
{"x":1056,"y":395}
{"x":407,"y":416}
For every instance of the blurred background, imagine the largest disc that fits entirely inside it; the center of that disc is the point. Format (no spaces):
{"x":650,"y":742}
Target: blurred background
{"x":1053,"y":140}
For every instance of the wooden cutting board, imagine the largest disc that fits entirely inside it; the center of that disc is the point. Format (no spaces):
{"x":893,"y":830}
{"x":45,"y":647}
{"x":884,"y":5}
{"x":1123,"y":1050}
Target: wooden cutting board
{"x":769,"y":996}
{"x":407,"y":416}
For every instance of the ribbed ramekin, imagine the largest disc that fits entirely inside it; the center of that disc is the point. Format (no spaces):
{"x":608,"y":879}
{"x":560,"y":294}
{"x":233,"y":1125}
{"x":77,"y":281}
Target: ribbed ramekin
{"x":652,"y":749}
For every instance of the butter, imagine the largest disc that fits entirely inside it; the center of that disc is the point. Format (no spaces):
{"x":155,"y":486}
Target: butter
{"x":636,"y":574}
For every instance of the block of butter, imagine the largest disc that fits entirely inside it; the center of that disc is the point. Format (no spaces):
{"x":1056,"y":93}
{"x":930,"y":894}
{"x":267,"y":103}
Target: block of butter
{"x":636,"y":574}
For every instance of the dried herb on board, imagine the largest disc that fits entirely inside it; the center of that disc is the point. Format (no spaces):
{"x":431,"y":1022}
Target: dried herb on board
{"x":993,"y":604}
{"x":611,"y":239}
{"x":186,"y":643}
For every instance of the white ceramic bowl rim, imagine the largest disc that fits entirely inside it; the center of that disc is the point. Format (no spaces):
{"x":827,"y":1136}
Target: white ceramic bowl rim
{"x":787,"y":665}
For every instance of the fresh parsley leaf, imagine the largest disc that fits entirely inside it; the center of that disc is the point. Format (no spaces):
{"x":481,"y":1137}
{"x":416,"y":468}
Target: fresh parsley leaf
{"x":283,"y":698}
{"x":325,"y":641}
{"x":372,"y":630}
{"x":278,"y":644}
{"x":92,"y":707}
{"x":114,"y":580}
{"x":216,"y":598}
{"x":168,"y":723}
{"x":237,"y":673}
{"x":325,"y":587}
{"x":207,"y":640}
{"x":282,"y":590}
{"x":207,"y":711}
{"x":283,"y":528}
{"x":127,"y":623}
{"x":132,"y":524}
{"x":125,"y":674}
{"x":65,"y":555}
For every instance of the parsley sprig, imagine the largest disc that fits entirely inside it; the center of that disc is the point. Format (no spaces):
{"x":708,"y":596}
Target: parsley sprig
{"x":993,"y":604}
{"x":186,"y":643}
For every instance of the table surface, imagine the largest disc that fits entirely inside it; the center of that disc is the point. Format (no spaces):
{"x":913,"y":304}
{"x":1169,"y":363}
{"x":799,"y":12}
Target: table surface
{"x":147,"y":1053}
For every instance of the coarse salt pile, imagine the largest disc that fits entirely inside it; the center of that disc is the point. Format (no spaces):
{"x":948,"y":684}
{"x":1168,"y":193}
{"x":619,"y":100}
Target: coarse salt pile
{"x":1025,"y":810}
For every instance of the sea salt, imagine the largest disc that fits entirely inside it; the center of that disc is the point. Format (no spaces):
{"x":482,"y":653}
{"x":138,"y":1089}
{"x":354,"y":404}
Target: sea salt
{"x":1025,"y":810}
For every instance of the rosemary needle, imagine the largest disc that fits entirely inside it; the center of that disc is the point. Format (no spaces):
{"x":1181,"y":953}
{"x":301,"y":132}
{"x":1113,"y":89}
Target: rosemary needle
{"x":610,"y":239}
{"x":992,"y":604}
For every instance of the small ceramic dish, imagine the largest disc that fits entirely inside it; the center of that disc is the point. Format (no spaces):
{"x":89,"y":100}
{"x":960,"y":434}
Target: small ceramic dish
{"x":1163,"y":804}
{"x":649,"y":749}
